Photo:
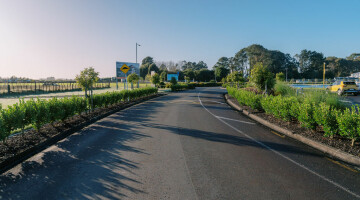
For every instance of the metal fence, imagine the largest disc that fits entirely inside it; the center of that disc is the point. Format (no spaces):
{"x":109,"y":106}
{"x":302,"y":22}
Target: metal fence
{"x":42,"y":87}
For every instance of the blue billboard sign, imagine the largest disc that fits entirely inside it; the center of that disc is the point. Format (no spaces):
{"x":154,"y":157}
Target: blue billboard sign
{"x":176,"y":76}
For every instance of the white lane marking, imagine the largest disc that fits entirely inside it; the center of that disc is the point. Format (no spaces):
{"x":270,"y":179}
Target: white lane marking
{"x":280,"y":154}
{"x":234,"y":120}
{"x":215,"y":102}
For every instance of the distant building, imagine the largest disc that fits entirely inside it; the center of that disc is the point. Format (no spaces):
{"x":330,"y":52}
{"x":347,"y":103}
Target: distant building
{"x":50,"y":78}
{"x":355,"y":75}
{"x":170,"y":75}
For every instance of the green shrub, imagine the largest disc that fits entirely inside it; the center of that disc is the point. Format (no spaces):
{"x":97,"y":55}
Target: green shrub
{"x":246,"y":98}
{"x":168,"y":85}
{"x":39,"y":112}
{"x":325,"y":117}
{"x":279,"y":106}
{"x":29,"y":106}
{"x":40,"y":115}
{"x":310,"y":110}
{"x":317,"y":96}
{"x":234,"y":77}
{"x":55,"y":110}
{"x":173,"y":81}
{"x":305,"y":116}
{"x":261,"y":77}
{"x":284,"y":89}
{"x":280,"y":76}
{"x":179,"y":87}
{"x":348,"y":122}
{"x":162,"y":85}
{"x":295,"y":110}
{"x":3,"y":133}
{"x":12,"y":118}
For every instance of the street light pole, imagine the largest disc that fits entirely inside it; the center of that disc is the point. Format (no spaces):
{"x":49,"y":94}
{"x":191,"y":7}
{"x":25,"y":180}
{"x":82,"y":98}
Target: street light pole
{"x":136,"y":50}
{"x":324,"y":76}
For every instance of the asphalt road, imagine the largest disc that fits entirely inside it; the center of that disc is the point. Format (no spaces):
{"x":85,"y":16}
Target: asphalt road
{"x":353,"y":99}
{"x":186,"y":145}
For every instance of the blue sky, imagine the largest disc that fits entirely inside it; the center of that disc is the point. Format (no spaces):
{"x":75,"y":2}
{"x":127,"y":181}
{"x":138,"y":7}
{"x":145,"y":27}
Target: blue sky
{"x":41,"y":38}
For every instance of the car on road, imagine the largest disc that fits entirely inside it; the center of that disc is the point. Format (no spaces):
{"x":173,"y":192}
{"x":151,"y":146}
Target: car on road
{"x":343,"y":87}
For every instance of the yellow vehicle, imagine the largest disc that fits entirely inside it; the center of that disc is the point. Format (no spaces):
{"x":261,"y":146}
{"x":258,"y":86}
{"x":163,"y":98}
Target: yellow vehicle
{"x":342,"y":87}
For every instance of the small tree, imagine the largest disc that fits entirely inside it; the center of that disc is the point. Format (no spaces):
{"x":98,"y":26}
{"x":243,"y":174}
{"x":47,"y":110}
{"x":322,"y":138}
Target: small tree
{"x":87,"y":78}
{"x":187,"y":79}
{"x":262,"y":77}
{"x":133,"y":78}
{"x":173,"y":81}
{"x":148,"y":77}
{"x":155,"y":79}
{"x":280,"y":76}
{"x":221,"y":72}
{"x":234,"y":77}
{"x":163,"y":76}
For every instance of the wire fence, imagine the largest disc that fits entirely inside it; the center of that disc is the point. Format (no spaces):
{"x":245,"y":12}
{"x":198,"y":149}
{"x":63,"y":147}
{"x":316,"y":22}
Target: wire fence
{"x":43,"y":87}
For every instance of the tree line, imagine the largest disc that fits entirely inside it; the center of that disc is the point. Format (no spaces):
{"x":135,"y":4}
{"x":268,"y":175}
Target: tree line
{"x":307,"y":64}
{"x":187,"y":70}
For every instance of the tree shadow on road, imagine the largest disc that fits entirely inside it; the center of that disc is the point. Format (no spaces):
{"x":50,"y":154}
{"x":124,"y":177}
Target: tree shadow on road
{"x":87,"y":164}
{"x":227,"y":138}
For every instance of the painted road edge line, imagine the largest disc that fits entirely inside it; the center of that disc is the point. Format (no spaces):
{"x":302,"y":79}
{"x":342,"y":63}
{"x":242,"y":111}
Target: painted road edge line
{"x":245,"y":122}
{"x":283,"y":136}
{"x":282,"y":155}
{"x":346,"y":157}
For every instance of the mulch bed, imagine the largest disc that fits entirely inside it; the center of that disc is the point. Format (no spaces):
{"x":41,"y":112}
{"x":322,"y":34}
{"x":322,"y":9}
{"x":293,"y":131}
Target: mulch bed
{"x":31,"y":138}
{"x":317,"y":135}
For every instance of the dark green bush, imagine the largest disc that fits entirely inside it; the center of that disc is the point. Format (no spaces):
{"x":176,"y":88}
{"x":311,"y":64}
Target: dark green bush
{"x":325,"y":117}
{"x":39,"y":112}
{"x":348,"y":122}
{"x":179,"y":87}
{"x":310,"y":110}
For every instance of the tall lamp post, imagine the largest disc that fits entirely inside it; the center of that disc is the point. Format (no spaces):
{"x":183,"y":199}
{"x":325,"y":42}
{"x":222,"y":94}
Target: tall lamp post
{"x":324,"y":76}
{"x":136,"y":50}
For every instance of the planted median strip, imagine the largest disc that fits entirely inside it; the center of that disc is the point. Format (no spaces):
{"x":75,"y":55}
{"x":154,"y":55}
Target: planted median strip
{"x":55,"y":119}
{"x":39,"y":112}
{"x":335,"y":123}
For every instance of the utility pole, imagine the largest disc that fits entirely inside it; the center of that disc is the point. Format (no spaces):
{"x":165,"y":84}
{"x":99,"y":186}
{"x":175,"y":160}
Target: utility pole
{"x":136,"y":50}
{"x":324,"y":76}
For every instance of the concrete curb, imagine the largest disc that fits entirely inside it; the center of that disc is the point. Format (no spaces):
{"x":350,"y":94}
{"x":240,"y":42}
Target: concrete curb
{"x":19,"y":158}
{"x":337,"y":153}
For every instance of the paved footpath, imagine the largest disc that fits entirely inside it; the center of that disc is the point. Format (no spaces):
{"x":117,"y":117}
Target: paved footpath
{"x":186,"y":145}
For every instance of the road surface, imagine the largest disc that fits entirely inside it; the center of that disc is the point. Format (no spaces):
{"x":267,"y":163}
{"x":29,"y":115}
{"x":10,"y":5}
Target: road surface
{"x":185,"y":145}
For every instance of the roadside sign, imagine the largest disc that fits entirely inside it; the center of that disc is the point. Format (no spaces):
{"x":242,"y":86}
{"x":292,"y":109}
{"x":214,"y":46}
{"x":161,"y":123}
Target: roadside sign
{"x":134,"y":68}
{"x":125,"y":68}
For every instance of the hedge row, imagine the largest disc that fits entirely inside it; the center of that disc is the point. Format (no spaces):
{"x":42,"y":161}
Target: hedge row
{"x":206,"y":84}
{"x":179,"y":87}
{"x":39,"y":112}
{"x":333,"y":121}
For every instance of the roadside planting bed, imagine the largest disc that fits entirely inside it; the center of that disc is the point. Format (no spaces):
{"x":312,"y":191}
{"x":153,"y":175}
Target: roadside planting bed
{"x":323,"y":121}
{"x":51,"y":117}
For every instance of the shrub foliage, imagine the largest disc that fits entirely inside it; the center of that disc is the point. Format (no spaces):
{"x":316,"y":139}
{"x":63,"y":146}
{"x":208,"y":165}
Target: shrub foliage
{"x":310,"y":110}
{"x":39,"y":112}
